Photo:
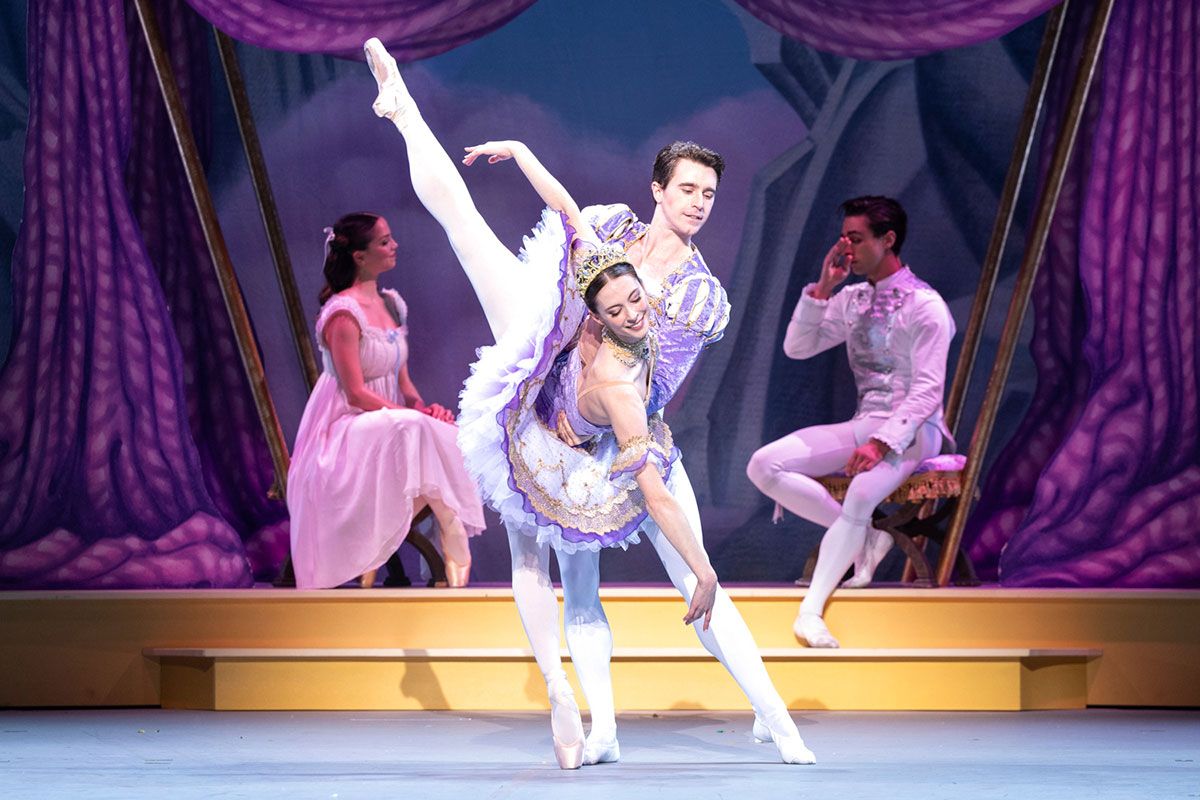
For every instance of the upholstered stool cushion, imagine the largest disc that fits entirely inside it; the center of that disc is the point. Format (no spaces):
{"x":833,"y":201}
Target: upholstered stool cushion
{"x":934,"y":478}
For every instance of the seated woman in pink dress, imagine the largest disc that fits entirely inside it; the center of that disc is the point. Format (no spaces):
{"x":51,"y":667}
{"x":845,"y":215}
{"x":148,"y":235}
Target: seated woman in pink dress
{"x":370,"y":453}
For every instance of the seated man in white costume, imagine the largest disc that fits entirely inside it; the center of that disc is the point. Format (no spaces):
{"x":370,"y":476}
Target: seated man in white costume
{"x":897,"y":331}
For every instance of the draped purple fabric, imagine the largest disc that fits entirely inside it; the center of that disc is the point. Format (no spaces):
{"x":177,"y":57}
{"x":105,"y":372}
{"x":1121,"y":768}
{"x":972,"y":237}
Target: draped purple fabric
{"x":130,"y":451}
{"x":224,"y":422}
{"x":885,"y":30}
{"x":1101,"y":484}
{"x":103,"y":485}
{"x":412,"y":29}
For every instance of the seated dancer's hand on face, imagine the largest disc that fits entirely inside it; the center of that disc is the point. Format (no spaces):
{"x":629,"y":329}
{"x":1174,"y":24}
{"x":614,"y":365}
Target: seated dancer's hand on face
{"x":866,"y":456}
{"x":702,"y":601}
{"x":834,"y":269}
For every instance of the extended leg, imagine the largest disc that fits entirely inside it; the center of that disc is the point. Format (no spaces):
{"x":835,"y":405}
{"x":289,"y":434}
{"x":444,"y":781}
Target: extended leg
{"x":439,"y":186}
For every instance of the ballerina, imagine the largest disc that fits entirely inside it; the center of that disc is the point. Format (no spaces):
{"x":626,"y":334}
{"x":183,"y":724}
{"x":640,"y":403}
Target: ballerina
{"x":577,"y":360}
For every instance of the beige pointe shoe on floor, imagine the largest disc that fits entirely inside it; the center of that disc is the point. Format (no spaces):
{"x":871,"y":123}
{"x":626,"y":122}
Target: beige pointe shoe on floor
{"x":457,"y":575}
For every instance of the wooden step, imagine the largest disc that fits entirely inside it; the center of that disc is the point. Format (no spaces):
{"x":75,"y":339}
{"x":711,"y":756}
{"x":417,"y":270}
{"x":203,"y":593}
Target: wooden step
{"x":644,"y":678}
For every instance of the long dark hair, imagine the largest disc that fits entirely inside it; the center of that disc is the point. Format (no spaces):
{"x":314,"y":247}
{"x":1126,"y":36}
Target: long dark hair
{"x":351,"y":234}
{"x":610,"y":273}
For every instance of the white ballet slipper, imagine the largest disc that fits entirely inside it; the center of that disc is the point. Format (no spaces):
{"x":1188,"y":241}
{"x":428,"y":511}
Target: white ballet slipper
{"x":877,"y":546}
{"x":760,"y":731}
{"x":811,"y":629}
{"x":566,"y":726}
{"x":792,"y":749}
{"x":601,"y":749}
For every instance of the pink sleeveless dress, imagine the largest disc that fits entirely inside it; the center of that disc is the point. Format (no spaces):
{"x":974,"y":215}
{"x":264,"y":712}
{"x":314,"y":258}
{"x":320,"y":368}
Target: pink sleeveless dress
{"x":355,"y":474}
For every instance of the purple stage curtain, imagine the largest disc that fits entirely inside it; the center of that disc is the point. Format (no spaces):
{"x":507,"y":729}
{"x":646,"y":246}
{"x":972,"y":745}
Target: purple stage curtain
{"x":886,"y":30}
{"x":102,"y":483}
{"x":412,"y":29}
{"x":1101,"y":484}
{"x":233,"y":449}
{"x":124,"y":461}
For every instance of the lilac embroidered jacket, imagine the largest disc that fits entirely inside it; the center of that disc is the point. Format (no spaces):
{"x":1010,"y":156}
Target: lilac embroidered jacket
{"x":690,"y":313}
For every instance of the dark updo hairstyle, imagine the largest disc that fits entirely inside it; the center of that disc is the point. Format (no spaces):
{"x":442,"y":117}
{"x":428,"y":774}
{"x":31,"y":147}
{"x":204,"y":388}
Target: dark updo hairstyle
{"x":608,"y":274}
{"x":351,"y":234}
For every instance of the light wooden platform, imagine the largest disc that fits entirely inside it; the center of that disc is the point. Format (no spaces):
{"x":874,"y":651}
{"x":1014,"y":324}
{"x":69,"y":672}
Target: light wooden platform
{"x":463,"y":649}
{"x":650,"y":678}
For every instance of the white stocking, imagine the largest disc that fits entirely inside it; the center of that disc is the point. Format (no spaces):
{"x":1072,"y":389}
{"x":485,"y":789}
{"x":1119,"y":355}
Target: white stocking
{"x":727,"y":638}
{"x":536,"y":603}
{"x":589,"y":637}
{"x":784,"y":470}
{"x":845,"y":537}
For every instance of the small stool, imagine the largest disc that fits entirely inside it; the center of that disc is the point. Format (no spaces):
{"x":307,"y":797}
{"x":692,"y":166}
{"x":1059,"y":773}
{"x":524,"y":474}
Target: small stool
{"x":918,"y":516}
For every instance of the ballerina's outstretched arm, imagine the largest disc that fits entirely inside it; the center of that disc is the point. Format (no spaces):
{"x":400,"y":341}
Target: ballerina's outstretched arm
{"x":626,"y":412}
{"x":552,"y":192}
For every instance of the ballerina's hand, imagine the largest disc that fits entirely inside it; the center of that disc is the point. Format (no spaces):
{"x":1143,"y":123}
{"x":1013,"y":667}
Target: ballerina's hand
{"x":495,"y":151}
{"x":702,"y":602}
{"x":566,"y":434}
{"x":438,"y":412}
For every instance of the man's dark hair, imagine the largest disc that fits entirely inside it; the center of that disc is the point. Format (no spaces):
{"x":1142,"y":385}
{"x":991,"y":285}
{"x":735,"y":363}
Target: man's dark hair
{"x":669,"y":156}
{"x":883,"y":214}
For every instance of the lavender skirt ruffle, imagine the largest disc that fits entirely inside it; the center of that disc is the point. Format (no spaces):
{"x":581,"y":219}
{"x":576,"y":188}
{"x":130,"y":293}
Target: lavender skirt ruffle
{"x":538,"y":484}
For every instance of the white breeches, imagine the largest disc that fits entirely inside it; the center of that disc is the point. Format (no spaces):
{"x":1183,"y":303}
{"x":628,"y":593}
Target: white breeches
{"x":785,"y":470}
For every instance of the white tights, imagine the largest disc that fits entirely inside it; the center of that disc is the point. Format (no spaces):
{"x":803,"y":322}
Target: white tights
{"x":784,"y":470}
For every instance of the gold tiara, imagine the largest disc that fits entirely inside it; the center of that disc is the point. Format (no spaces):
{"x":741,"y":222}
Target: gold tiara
{"x":591,"y":262}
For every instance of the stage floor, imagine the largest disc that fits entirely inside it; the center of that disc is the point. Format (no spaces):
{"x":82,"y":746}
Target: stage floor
{"x":1096,"y":753}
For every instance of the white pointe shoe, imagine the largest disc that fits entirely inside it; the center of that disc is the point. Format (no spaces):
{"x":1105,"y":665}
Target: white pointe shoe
{"x":811,"y":628}
{"x":791,"y":748}
{"x":601,"y":750}
{"x":876,"y":547}
{"x":566,"y":726}
{"x":394,"y":100}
